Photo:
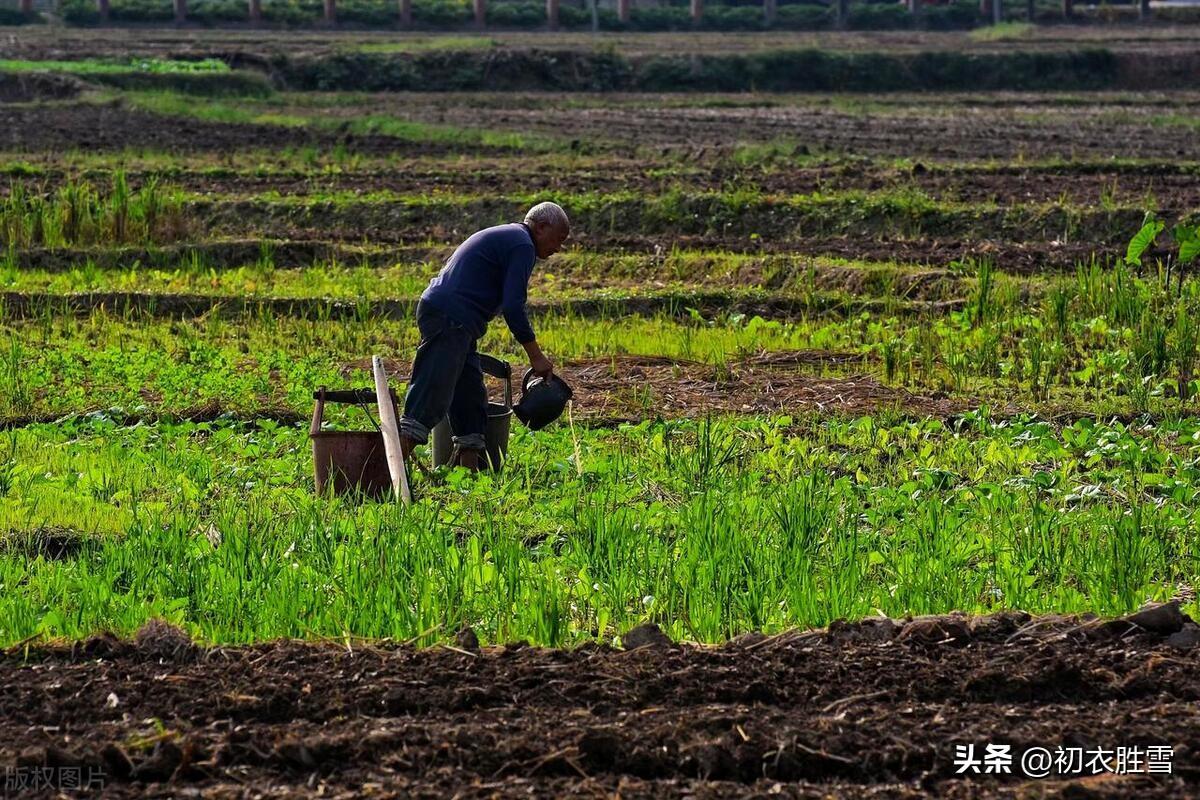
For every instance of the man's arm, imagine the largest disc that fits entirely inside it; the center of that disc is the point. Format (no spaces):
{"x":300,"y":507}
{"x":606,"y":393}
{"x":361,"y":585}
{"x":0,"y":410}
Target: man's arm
{"x":516,"y":286}
{"x":541,"y":365}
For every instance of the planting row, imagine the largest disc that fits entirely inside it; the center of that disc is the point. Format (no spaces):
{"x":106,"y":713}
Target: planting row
{"x":575,"y":274}
{"x":1104,"y":341}
{"x":1017,"y":127}
{"x":523,"y":14}
{"x":705,"y":528}
{"x":1170,"y":187}
{"x":77,"y":215}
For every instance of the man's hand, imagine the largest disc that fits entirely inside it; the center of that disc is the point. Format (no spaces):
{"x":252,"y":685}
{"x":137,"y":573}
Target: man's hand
{"x":541,"y":366}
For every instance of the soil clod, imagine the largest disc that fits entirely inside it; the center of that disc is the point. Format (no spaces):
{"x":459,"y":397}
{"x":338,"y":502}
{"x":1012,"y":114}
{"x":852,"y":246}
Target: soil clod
{"x":1161,"y":618}
{"x":160,"y":639}
{"x":937,"y":630}
{"x":1185,"y":638}
{"x":646,"y":636}
{"x":467,"y":639}
{"x":50,"y":543}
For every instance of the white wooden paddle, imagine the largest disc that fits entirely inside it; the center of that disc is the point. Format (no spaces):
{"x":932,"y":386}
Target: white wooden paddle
{"x":391,"y":432}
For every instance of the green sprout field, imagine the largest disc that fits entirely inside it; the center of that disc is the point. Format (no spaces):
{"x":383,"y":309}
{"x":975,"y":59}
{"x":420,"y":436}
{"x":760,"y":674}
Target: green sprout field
{"x":824,"y":370}
{"x":836,"y":355}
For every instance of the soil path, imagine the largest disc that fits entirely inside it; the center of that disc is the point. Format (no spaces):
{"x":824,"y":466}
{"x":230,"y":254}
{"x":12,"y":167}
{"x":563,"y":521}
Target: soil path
{"x":870,"y":710}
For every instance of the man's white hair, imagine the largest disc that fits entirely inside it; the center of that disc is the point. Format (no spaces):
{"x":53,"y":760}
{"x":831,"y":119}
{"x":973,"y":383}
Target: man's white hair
{"x":548,"y":214}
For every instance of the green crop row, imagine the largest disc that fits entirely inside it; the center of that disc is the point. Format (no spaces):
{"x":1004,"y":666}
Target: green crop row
{"x":60,"y":365}
{"x":31,"y":217}
{"x":710,"y":529}
{"x":571,"y":273}
{"x":78,"y":214}
{"x":1103,"y":340}
{"x":156,"y":66}
{"x":744,"y":213}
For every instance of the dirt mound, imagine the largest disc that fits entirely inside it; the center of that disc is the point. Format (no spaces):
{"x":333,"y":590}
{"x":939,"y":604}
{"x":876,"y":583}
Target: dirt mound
{"x":26,"y":87}
{"x":868,"y":708}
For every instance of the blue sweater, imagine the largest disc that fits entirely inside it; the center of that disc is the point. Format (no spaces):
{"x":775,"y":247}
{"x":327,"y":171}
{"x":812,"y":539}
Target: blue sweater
{"x":487,"y":275}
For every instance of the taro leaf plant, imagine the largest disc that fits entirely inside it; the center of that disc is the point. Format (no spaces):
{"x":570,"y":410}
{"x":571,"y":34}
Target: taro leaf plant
{"x":1187,"y":239}
{"x":1142,"y":240}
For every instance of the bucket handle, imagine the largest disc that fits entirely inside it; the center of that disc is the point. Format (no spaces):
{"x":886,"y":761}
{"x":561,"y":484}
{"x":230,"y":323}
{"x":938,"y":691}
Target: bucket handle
{"x":490,"y":365}
{"x":358,"y":397}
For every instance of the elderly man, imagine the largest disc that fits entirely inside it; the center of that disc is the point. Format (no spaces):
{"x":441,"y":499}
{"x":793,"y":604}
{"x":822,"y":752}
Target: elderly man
{"x":487,"y":275}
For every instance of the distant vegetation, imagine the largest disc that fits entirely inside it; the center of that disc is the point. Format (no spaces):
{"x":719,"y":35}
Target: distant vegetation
{"x":530,"y":15}
{"x":447,"y":14}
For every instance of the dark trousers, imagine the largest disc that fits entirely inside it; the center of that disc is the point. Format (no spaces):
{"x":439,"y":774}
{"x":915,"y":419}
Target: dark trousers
{"x":446,"y":381}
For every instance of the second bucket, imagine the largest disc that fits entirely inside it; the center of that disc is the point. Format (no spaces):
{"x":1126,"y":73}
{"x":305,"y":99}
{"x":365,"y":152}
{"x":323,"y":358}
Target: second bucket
{"x":499,"y":420}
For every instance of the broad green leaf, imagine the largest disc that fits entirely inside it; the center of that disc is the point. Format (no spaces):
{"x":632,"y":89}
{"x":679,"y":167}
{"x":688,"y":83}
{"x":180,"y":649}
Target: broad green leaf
{"x":1142,"y":240}
{"x":1189,"y":250}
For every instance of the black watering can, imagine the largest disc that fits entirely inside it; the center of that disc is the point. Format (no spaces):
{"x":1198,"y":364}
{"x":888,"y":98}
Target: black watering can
{"x":543,"y":400}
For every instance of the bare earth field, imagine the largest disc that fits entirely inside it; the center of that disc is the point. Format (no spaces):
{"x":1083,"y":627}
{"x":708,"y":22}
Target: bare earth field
{"x":872,"y":709}
{"x":1016,"y":127}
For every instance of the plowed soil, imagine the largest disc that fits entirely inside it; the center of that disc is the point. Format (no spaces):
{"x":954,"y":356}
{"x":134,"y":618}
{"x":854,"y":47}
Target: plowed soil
{"x":638,"y":387}
{"x":1005,"y":126}
{"x":112,"y":127}
{"x":1010,"y":127}
{"x":865,"y":710}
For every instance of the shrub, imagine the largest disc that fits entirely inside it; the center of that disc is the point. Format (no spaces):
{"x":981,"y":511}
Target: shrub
{"x":141,"y":11}
{"x":518,"y":14}
{"x":804,"y":17}
{"x":441,"y":13}
{"x":369,"y":14}
{"x":955,"y":16}
{"x":12,"y":16}
{"x":664,"y":18}
{"x":79,"y":13}
{"x":733,"y":18}
{"x":875,"y":17}
{"x":216,"y":11}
